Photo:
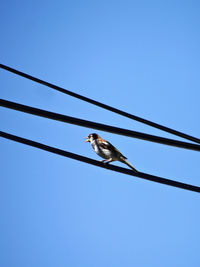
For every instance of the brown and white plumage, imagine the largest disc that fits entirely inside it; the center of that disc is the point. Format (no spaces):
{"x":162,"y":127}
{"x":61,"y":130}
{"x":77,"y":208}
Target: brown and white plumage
{"x":106,"y":150}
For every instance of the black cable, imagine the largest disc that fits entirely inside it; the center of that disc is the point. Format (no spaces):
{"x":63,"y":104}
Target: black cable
{"x":99,"y":104}
{"x":100,"y":164}
{"x":98,"y":126}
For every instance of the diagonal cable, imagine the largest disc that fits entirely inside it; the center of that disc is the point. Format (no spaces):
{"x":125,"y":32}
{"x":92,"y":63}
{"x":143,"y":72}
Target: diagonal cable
{"x":104,"y":106}
{"x":100,"y":164}
{"x":98,"y":126}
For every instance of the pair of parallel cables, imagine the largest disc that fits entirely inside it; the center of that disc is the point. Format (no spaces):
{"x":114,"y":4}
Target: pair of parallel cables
{"x":102,"y":127}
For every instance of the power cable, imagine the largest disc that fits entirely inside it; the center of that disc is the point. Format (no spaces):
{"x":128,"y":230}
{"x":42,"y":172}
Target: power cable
{"x":99,"y":104}
{"x":100,"y":164}
{"x":98,"y":126}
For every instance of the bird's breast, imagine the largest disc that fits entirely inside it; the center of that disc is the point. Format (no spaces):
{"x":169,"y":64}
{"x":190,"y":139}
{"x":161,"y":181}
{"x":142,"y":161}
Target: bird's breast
{"x":102,"y":152}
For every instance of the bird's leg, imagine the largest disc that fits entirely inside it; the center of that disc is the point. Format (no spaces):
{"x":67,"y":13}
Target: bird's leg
{"x":103,"y":160}
{"x":108,"y":161}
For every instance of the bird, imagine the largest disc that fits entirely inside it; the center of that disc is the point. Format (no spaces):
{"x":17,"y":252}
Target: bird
{"x":107,"y":151}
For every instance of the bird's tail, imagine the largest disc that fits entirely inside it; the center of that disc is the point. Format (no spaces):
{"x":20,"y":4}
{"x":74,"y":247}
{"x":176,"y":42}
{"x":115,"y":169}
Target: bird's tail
{"x":129,"y":164}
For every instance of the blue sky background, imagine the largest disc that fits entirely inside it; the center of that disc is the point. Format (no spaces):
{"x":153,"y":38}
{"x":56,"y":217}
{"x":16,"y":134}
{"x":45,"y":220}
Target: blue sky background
{"x":139,"y":56}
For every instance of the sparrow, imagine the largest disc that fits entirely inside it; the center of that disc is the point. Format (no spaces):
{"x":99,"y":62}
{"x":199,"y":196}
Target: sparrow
{"x":106,"y":150}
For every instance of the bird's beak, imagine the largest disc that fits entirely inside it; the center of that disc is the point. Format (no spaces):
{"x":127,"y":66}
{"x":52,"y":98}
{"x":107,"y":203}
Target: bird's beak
{"x":87,"y":139}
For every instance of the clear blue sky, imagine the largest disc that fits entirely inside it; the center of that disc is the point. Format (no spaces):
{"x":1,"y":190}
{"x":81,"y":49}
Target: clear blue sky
{"x":139,"y":56}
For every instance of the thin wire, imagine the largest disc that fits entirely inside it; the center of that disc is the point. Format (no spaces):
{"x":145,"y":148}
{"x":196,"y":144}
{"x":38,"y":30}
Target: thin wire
{"x":100,"y":164}
{"x":98,"y":126}
{"x":99,"y":104}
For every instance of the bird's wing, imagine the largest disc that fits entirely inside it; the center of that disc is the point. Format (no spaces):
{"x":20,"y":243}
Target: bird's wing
{"x":106,"y":145}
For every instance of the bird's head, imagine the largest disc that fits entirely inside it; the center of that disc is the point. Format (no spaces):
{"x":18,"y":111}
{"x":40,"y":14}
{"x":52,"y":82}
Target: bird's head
{"x":92,"y":137}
